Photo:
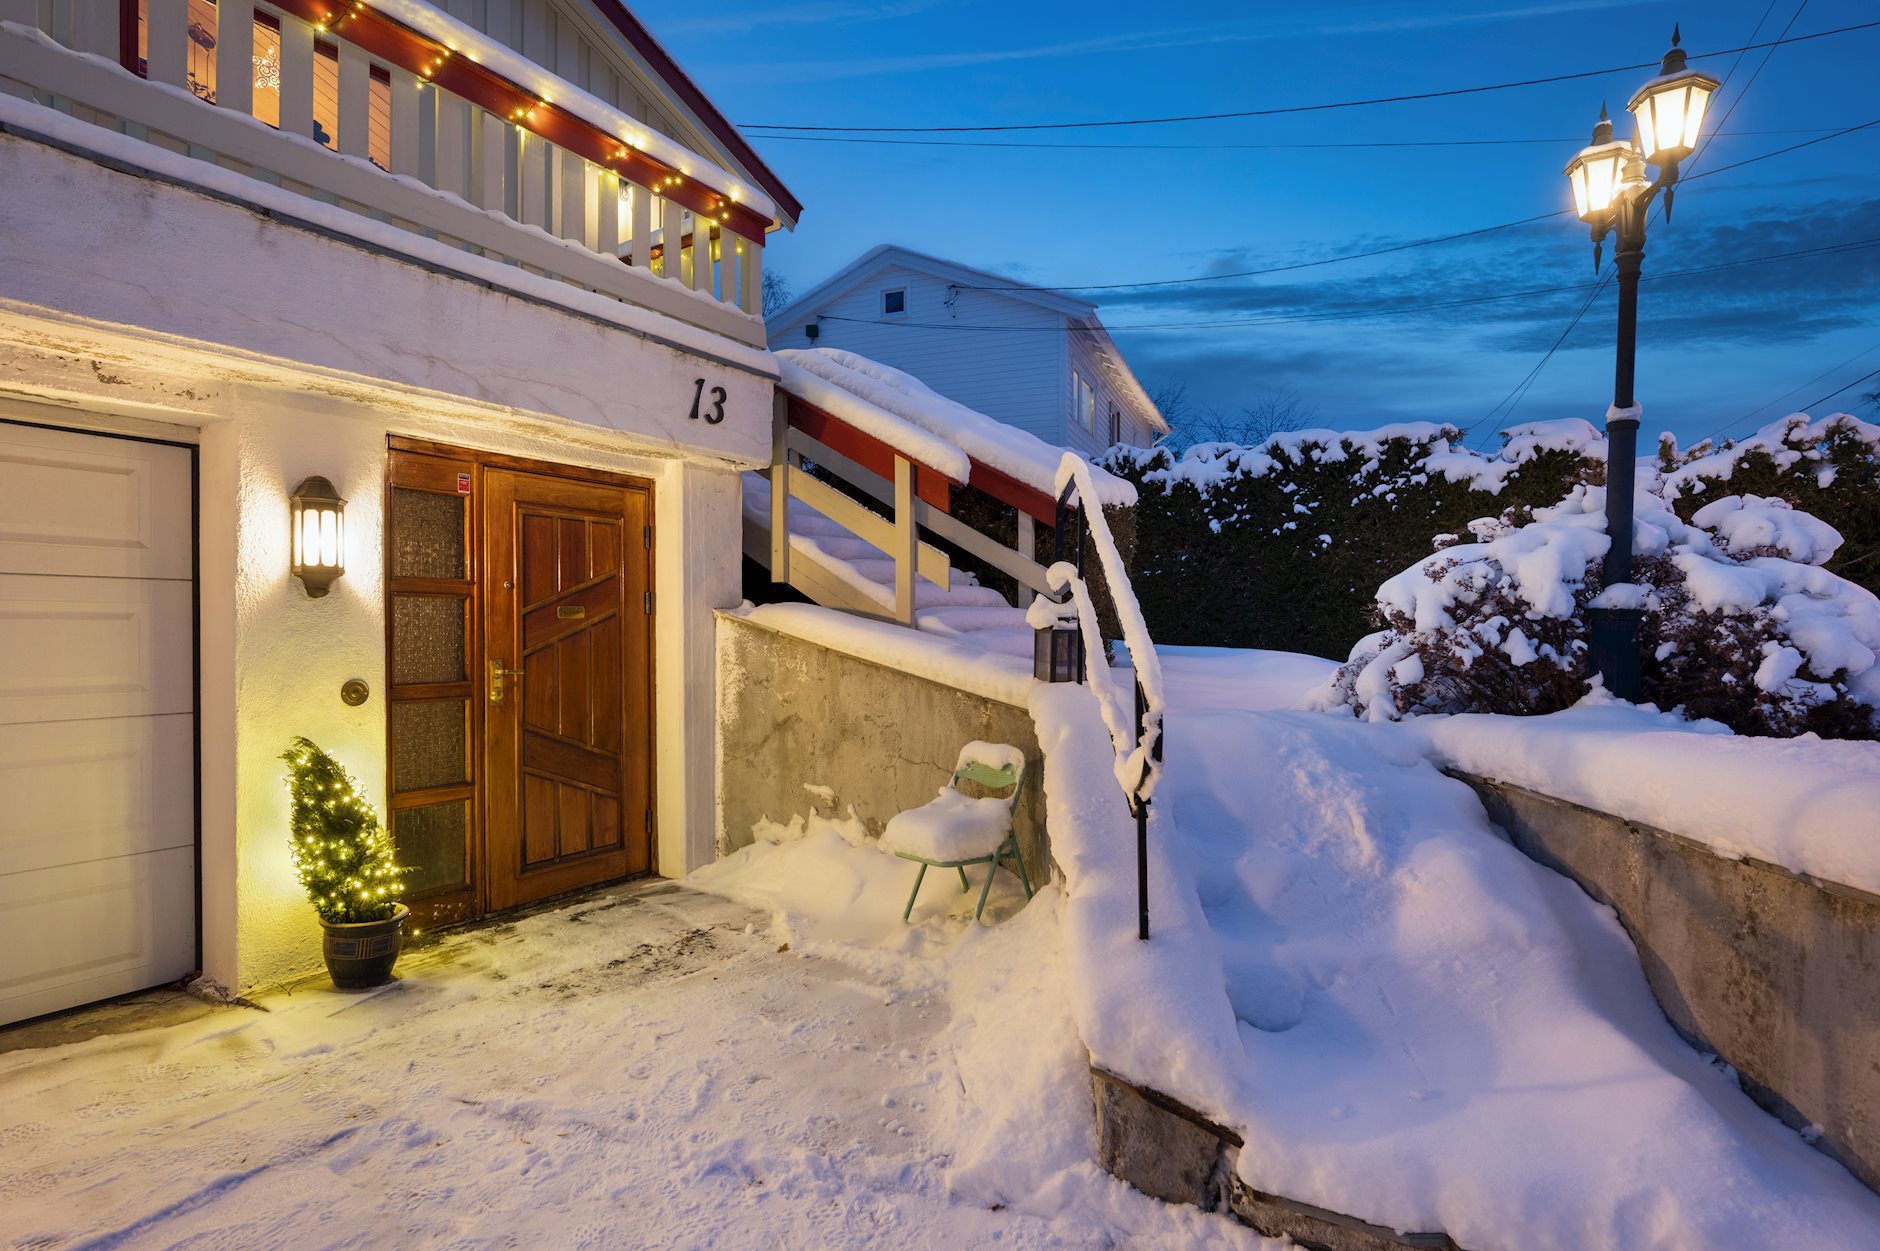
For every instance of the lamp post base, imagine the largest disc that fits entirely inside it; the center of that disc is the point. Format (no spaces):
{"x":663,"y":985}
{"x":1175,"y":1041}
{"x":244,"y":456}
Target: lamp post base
{"x":1613,"y":642}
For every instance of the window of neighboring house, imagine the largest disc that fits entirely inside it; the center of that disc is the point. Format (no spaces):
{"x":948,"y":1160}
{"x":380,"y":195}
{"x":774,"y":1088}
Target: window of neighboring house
{"x":1083,"y":401}
{"x":1116,"y":425}
{"x":894,"y":303}
{"x":267,"y":72}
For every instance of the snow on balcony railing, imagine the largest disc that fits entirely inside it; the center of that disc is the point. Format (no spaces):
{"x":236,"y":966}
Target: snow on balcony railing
{"x":395,"y":111}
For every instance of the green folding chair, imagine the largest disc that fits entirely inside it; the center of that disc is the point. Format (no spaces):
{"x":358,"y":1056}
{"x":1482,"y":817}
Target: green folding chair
{"x":954,"y":830}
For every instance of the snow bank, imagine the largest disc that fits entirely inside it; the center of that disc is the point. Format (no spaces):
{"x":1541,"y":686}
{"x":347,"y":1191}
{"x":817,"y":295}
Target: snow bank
{"x":886,"y":402}
{"x":1000,"y":1090}
{"x":1406,"y":1019}
{"x":991,"y":674}
{"x":1806,"y":804}
{"x":1154,"y":1012}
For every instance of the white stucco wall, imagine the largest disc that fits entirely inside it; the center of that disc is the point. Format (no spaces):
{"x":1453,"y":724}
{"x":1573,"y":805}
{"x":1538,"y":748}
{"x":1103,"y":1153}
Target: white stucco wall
{"x":324,"y":351}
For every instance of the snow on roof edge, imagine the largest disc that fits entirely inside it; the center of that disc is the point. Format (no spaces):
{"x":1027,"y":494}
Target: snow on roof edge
{"x":901,"y":401}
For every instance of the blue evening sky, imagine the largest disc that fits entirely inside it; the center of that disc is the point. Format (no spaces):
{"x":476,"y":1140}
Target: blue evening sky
{"x":1180,"y":201}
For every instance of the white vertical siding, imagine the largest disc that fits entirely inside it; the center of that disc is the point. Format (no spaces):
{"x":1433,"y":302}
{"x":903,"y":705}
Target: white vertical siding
{"x":1084,"y":359}
{"x":1013,"y":371}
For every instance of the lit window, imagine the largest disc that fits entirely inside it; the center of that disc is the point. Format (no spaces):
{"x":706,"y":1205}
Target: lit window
{"x":1085,"y":401}
{"x":894,"y":303}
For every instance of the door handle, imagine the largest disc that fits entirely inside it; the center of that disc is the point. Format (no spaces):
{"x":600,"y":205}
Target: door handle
{"x":497,"y":674}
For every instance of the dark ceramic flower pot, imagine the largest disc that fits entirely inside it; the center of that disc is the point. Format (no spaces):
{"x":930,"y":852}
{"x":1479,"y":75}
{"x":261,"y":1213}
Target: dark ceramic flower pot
{"x":361,"y":955}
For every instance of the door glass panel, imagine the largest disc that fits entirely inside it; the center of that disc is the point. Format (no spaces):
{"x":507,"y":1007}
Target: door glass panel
{"x":431,"y":841}
{"x":427,"y":639}
{"x":427,"y":534}
{"x":429,"y":744}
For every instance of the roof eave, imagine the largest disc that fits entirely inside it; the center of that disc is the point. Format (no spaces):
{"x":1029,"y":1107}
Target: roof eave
{"x":789,"y":208}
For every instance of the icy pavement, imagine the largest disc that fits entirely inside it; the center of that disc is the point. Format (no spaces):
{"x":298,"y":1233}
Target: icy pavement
{"x":649,"y":1067}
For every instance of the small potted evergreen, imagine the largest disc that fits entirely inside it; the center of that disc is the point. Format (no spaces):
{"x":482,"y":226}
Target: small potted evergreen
{"x":343,"y":856}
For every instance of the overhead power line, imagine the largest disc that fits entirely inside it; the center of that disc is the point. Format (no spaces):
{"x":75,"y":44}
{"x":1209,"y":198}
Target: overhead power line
{"x":1298,"y":108}
{"x":1832,"y":370}
{"x":1027,"y":146}
{"x":1369,"y":253}
{"x":1361,"y":314}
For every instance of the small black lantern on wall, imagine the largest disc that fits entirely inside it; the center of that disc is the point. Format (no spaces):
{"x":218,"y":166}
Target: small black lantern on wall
{"x":319,"y":520}
{"x":1055,"y":651}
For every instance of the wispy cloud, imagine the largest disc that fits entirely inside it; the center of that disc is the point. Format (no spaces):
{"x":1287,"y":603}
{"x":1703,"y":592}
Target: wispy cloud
{"x":1264,"y":27}
{"x":863,"y":67}
{"x":813,"y":13}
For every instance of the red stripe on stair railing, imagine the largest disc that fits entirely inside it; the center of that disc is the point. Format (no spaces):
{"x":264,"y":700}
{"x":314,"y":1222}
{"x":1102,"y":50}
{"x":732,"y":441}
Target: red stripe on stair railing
{"x":929,"y":484}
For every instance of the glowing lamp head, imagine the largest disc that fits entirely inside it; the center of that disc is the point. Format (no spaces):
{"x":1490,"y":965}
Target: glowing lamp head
{"x":319,"y":535}
{"x":1670,"y":108}
{"x":1597,"y":172}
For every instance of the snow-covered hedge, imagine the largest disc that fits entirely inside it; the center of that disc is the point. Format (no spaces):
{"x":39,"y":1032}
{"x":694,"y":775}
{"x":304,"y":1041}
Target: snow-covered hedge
{"x":1281,"y":546}
{"x":1740,"y":621}
{"x":1829,"y":467}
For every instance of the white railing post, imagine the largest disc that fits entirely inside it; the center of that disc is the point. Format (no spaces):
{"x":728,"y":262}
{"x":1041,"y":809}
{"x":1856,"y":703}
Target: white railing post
{"x":701,"y":274}
{"x":572,"y":179}
{"x":355,"y":101}
{"x":751,"y":278}
{"x":780,"y":471}
{"x":489,"y":157}
{"x":407,"y":99}
{"x":167,"y":56}
{"x":296,"y":77}
{"x":642,"y":208}
{"x":532,"y":172}
{"x":606,"y":232}
{"x":906,"y":541}
{"x":453,"y":144}
{"x":234,"y":56}
{"x":94,"y":24}
{"x":1026,"y":546}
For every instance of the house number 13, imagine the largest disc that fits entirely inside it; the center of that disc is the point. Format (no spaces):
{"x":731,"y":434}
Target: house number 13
{"x":716,"y":413}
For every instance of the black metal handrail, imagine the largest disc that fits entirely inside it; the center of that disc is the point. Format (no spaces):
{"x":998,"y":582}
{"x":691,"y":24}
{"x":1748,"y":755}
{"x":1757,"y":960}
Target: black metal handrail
{"x":1071,"y":515}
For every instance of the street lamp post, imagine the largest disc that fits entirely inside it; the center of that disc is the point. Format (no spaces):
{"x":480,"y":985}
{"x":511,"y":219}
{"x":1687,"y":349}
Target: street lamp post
{"x":1611,"y":194}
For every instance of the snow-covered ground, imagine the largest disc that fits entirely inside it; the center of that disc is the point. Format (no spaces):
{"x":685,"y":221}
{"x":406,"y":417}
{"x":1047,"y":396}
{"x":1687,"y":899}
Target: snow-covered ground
{"x":1408,"y":1020}
{"x":654,"y":1067}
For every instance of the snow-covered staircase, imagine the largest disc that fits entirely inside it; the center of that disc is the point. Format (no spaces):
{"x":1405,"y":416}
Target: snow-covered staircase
{"x":835,"y":567}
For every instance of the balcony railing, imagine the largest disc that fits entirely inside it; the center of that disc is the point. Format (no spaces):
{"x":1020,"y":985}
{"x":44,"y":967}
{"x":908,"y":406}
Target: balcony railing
{"x":432,"y":130}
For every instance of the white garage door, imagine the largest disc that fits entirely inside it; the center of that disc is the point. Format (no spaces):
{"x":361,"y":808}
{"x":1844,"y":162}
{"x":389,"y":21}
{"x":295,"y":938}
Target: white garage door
{"x":97,"y":718}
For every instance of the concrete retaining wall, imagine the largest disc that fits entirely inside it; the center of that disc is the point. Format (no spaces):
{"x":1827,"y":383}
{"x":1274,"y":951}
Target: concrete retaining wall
{"x":1175,"y":1154}
{"x":793,"y":712}
{"x":1777,"y":973}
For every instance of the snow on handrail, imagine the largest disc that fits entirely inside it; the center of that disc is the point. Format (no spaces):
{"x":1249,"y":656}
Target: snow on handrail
{"x":1138,"y":765}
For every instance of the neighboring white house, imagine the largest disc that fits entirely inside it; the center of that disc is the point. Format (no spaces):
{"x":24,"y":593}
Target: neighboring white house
{"x":491,"y":269}
{"x":1028,"y":356}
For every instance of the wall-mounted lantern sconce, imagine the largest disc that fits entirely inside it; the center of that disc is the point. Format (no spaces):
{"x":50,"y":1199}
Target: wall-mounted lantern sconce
{"x":319,"y":535}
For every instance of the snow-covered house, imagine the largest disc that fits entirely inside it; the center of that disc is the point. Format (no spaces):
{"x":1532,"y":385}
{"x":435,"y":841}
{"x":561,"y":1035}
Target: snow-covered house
{"x":489,"y":273}
{"x":1028,"y":356}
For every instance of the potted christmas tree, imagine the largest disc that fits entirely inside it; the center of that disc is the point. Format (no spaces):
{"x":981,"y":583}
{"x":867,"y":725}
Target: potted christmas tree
{"x":344,"y":859}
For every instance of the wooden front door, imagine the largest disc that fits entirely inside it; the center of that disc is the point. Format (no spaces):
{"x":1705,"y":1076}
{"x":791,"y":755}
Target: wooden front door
{"x":566,"y":683}
{"x":541,"y":572}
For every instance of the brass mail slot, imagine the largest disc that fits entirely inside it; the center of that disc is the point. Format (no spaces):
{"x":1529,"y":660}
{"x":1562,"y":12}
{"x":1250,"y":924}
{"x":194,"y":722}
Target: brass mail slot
{"x":570,"y":612}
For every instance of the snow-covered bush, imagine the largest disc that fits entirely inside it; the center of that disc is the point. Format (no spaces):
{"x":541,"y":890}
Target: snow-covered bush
{"x":1829,"y":467}
{"x":1281,"y":545}
{"x":1740,"y":622}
